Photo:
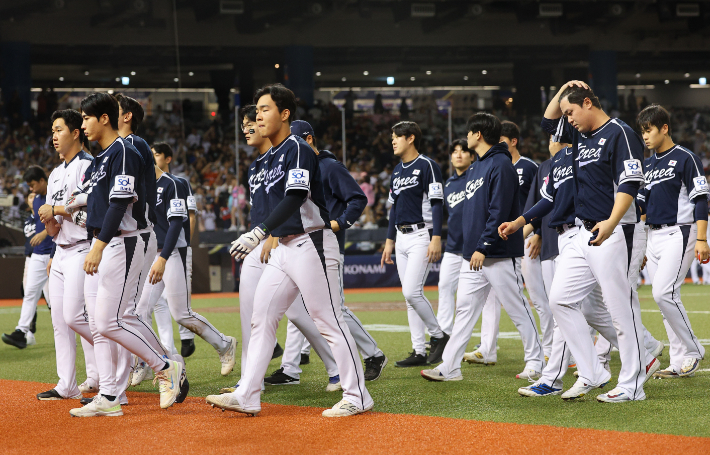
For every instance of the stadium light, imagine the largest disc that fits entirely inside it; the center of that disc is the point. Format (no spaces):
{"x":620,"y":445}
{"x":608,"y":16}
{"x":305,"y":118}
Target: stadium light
{"x":86,"y":73}
{"x":412,"y":78}
{"x":390,"y":80}
{"x":703,"y":81}
{"x":61,"y":78}
{"x":125,"y":80}
{"x":365,"y":73}
{"x":484,"y":72}
{"x":318,"y":73}
{"x":133,"y":73}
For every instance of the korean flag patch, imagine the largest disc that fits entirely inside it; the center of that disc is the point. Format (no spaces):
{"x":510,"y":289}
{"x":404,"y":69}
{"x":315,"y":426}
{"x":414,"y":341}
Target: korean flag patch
{"x":633,"y":168}
{"x":602,"y":141}
{"x":298,"y":178}
{"x":415,"y":172}
{"x":672,"y":162}
{"x":701,"y":184}
{"x":520,"y":171}
{"x":436,"y":191}
{"x":160,"y":189}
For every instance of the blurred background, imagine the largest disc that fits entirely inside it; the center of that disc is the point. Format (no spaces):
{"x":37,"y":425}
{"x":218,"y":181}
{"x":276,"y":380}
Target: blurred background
{"x":356,"y":66}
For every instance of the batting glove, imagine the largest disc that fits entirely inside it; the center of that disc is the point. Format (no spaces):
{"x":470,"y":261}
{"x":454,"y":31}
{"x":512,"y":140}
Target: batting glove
{"x":247,"y":242}
{"x":79,"y":218}
{"x":76,"y":201}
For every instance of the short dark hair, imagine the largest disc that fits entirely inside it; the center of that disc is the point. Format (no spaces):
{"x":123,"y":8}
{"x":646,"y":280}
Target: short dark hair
{"x":407,"y":129}
{"x":72,"y":119}
{"x":577,"y":95}
{"x":248,"y":111}
{"x":164,"y":149}
{"x":98,"y":104}
{"x":463,"y":143}
{"x":487,"y":124}
{"x":654,"y":115}
{"x":34,"y":173}
{"x":283,"y":98}
{"x":510,"y":130}
{"x":129,"y":104}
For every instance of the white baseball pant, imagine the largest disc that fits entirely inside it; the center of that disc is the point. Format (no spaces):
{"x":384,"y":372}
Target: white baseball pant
{"x":413,"y":268}
{"x":694,"y":266}
{"x":309,"y":263}
{"x":185,"y":333}
{"x":35,"y":282}
{"x":66,"y":284}
{"x":448,"y":283}
{"x":504,"y":277}
{"x":670,"y":253}
{"x":614,"y":266}
{"x":45,"y":289}
{"x":705,"y":267}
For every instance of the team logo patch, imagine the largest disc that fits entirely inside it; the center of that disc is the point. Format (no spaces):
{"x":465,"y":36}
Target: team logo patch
{"x":672,"y":162}
{"x":602,"y":141}
{"x":436,"y":191}
{"x":701,"y":184}
{"x":633,"y":168}
{"x":281,"y":158}
{"x":298,"y":177}
{"x":191,"y":203}
{"x":177,"y":208}
{"x":124,"y":184}
{"x":415,"y":172}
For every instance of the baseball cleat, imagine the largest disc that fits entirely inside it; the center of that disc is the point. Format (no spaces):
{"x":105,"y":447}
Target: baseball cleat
{"x":344,"y":408}
{"x":278,"y":352}
{"x":476,"y":357}
{"x":187,"y":348}
{"x":689,"y":367}
{"x":581,"y":388}
{"x":658,"y":352}
{"x":229,"y":402}
{"x":529,"y":374}
{"x":50,"y":395}
{"x":100,"y":406}
{"x":615,"y":395}
{"x":414,"y":360}
{"x":278,"y":377}
{"x":169,"y":383}
{"x":88,"y":386}
{"x":140,"y":372}
{"x":123,"y":399}
{"x":651,"y":368}
{"x":184,"y":387}
{"x":305,"y":359}
{"x":334,"y":384}
{"x":669,"y":373}
{"x":539,"y":389}
{"x":606,"y":366}
{"x":436,"y":376}
{"x":229,"y":358}
{"x":374,"y":366}
{"x":16,"y":338}
{"x":437,"y":348}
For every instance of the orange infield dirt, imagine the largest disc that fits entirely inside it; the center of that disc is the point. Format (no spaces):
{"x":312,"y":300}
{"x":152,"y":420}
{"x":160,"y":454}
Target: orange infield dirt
{"x":31,"y":426}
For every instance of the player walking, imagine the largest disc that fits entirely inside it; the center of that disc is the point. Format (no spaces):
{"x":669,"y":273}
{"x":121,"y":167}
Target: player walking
{"x":492,"y":194}
{"x":676,"y":195}
{"x":416,"y":195}
{"x":306,"y":260}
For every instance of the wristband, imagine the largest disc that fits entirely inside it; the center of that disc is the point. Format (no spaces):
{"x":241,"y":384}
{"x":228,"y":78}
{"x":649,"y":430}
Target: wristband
{"x":52,"y":210}
{"x":701,"y":240}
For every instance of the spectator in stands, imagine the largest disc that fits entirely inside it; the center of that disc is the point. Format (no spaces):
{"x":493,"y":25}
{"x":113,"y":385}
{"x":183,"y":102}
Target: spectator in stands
{"x":208,"y":219}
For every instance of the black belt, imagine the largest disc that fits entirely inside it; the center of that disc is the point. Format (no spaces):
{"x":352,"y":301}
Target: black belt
{"x":564,"y":228}
{"x":98,"y":231}
{"x":407,"y":228}
{"x":589,"y":224}
{"x":656,"y":227}
{"x":72,"y":244}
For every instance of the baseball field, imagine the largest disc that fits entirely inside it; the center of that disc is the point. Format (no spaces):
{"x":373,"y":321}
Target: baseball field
{"x":481,"y":414}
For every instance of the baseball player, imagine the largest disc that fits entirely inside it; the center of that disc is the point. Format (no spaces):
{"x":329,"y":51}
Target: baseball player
{"x":607,"y":174}
{"x":675,"y":194}
{"x":116,"y":213}
{"x":454,"y":196}
{"x":416,"y":195}
{"x":36,"y":178}
{"x":255,"y":264}
{"x":492,"y":194}
{"x":306,"y":260}
{"x":66,"y":277}
{"x":345,"y":201}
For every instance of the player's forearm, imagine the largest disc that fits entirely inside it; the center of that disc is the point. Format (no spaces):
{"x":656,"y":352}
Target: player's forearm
{"x":193,"y":223}
{"x":171,"y":237}
{"x":52,"y":228}
{"x":112,"y":220}
{"x":621,"y":205}
{"x":391,"y":227}
{"x":60,"y":210}
{"x":437,"y":215}
{"x":553,"y":110}
{"x":702,"y":229}
{"x":352,"y":212}
{"x":284,"y":209}
{"x":701,"y":211}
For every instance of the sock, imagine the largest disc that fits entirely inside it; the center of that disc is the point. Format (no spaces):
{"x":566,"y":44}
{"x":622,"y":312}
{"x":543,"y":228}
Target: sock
{"x":167,"y":365}
{"x":109,"y":397}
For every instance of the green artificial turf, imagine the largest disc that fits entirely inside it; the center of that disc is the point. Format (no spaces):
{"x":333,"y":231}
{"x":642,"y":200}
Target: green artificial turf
{"x":486,"y":393}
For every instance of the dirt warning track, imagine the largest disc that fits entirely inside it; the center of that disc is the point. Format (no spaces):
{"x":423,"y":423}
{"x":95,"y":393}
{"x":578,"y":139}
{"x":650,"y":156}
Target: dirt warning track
{"x":31,"y":426}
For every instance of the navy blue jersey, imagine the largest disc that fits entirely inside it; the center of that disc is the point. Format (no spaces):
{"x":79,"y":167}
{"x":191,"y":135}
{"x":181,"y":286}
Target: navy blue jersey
{"x":603,"y":159}
{"x":454,"y":196}
{"x":526,"y":169}
{"x":412,"y":187}
{"x":293,"y":165}
{"x":169,"y":204}
{"x":45,"y":247}
{"x":558,"y":188}
{"x":116,"y":174}
{"x":492,"y":198}
{"x":258,"y":199}
{"x":674,"y":179}
{"x":549,"y":236}
{"x":149,"y":176}
{"x":186,"y":194}
{"x":344,"y":198}
{"x":30,"y":229}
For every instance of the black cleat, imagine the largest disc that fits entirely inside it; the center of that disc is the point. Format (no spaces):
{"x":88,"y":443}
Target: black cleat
{"x":184,"y":387}
{"x":280,"y":378}
{"x":374,"y":366}
{"x":414,"y":360}
{"x":278,"y":352}
{"x":305,"y":359}
{"x":33,"y":324}
{"x":437,"y":348}
{"x":187,"y":348}
{"x":49,"y":395}
{"x":86,"y":400}
{"x":16,"y":338}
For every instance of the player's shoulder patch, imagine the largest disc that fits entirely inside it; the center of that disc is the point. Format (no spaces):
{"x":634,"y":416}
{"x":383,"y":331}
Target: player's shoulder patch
{"x":177,"y":208}
{"x":436,"y":191}
{"x":700,"y":184}
{"x":633,"y":168}
{"x":298,"y":178}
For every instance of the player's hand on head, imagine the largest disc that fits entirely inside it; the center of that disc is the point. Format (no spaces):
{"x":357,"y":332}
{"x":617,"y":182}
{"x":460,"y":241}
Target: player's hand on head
{"x":476,"y":262}
{"x":702,"y":252}
{"x":434,"y":251}
{"x":157,"y":270}
{"x":580,"y":84}
{"x":603,"y":230}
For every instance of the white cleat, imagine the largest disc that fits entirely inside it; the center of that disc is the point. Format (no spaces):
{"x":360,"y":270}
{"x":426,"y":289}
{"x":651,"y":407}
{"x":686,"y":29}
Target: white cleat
{"x":334,"y":384}
{"x":169,"y":383}
{"x":229,"y":358}
{"x":437,"y":376}
{"x":658,"y":352}
{"x":689,"y":367}
{"x":30,"y":337}
{"x":581,"y":388}
{"x":344,"y":408}
{"x":141,"y":371}
{"x":476,"y":357}
{"x":615,"y":395}
{"x":228,"y":402}
{"x":669,"y":373}
{"x":651,"y":369}
{"x":123,"y":399}
{"x":529,"y":374}
{"x":100,"y":406}
{"x":88,"y":386}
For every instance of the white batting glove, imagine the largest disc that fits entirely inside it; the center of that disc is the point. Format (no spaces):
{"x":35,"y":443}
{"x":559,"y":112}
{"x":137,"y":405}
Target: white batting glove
{"x":247,"y":242}
{"x":79,"y":217}
{"x":76,"y":201}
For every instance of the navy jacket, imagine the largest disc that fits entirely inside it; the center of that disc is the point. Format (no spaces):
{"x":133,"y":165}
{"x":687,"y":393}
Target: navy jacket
{"x":492,"y":198}
{"x":454,"y":196}
{"x":542,"y":226}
